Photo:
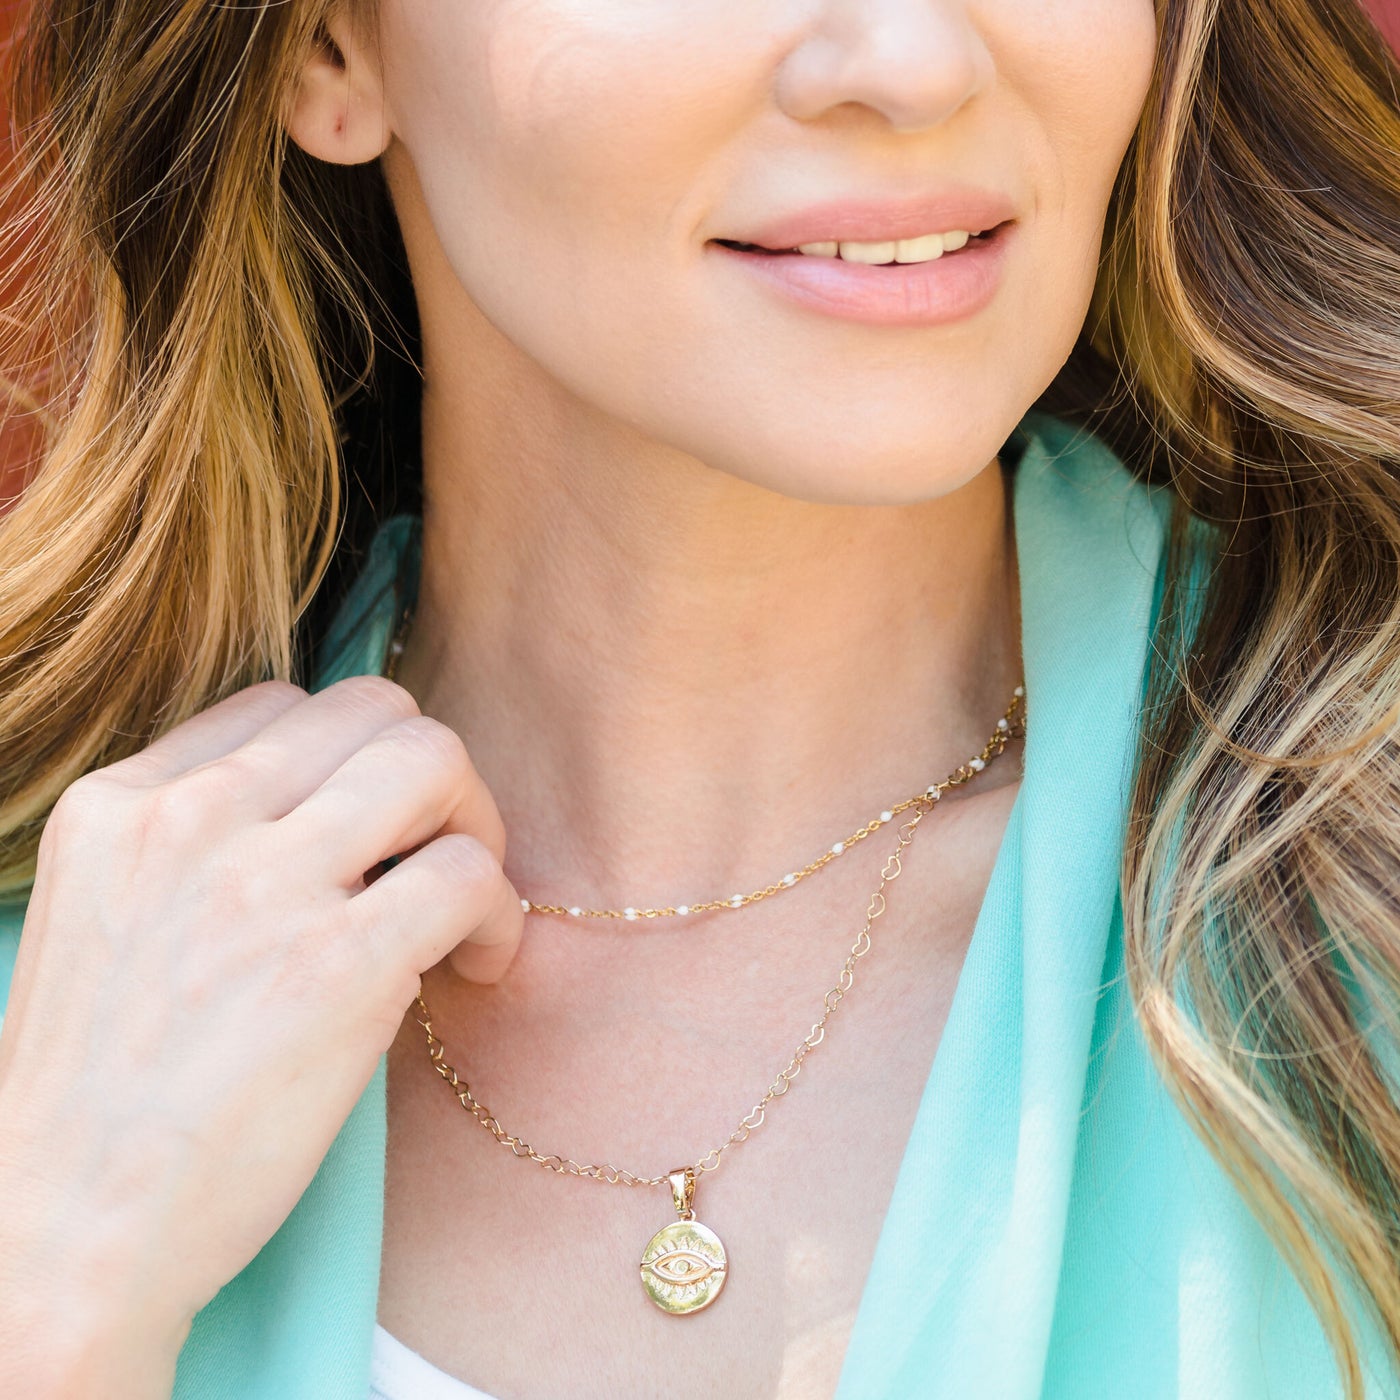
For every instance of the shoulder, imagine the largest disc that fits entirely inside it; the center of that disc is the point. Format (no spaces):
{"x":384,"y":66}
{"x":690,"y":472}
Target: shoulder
{"x":1071,"y":485}
{"x":1064,"y":460}
{"x":1088,"y":523}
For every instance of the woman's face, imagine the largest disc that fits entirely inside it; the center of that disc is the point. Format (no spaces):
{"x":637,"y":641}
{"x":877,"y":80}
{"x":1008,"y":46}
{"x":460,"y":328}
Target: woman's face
{"x":579,"y":162}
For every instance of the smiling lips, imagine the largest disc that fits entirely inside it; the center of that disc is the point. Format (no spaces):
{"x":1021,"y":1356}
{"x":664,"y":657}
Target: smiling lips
{"x":926,"y":261}
{"x":892,"y":282}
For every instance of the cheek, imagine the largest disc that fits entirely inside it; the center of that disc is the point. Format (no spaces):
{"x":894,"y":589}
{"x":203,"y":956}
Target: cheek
{"x":556,"y":123}
{"x":1072,"y":79}
{"x":1080,"y":69}
{"x":567,"y":152}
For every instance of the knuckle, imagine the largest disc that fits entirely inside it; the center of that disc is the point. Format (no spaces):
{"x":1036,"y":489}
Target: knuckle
{"x":174,"y":806}
{"x":128,"y":824}
{"x":85,"y":807}
{"x":286,"y":690}
{"x":373,"y":696}
{"x":274,"y":696}
{"x":220,"y":785}
{"x":435,"y":741}
{"x":87,"y":811}
{"x":91,"y":795}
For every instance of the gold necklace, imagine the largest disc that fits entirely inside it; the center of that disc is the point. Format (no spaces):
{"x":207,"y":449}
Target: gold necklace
{"x":1008,"y":726}
{"x":684,"y":1264}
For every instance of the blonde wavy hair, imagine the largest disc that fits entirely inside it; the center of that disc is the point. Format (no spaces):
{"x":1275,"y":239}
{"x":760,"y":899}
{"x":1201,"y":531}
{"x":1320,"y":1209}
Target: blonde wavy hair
{"x":213,"y":324}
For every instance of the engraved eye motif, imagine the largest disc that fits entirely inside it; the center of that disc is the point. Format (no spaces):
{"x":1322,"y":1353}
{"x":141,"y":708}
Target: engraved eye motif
{"x":681,"y":1265}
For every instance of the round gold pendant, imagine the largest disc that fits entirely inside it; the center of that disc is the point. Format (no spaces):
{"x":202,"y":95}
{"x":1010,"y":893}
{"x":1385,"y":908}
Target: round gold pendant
{"x":683,"y":1266}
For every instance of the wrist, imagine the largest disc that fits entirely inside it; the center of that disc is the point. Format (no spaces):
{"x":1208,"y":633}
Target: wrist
{"x":54,"y":1350}
{"x":79,"y":1315}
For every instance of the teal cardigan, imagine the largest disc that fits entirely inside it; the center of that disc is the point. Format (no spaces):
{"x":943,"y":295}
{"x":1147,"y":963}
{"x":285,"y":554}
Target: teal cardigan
{"x":1056,"y":1231}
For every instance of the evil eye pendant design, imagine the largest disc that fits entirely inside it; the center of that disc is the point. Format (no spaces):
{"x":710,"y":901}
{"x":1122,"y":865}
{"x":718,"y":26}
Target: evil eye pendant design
{"x":683,"y":1266}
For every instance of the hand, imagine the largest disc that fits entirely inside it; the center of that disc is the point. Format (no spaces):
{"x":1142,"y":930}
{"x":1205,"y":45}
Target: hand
{"x":205,"y":980}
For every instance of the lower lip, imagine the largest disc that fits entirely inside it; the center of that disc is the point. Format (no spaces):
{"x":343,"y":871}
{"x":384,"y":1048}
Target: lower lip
{"x":950,"y":288}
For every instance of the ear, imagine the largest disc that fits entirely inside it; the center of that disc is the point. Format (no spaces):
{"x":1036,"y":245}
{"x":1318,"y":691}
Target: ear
{"x":338,"y":111}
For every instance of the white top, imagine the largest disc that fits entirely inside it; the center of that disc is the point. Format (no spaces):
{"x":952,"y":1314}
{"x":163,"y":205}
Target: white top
{"x":397,"y":1372}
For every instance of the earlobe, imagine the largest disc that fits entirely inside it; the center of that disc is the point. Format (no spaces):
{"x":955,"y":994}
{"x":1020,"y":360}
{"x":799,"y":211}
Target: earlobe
{"x":338,"y":112}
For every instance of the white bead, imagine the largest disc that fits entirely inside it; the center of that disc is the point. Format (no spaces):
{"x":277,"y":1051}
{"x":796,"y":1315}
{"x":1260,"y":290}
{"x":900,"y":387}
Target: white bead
{"x":886,"y":816}
{"x":684,"y":909}
{"x":1002,"y":724}
{"x":838,"y":848}
{"x":735,"y":900}
{"x":629,"y":912}
{"x":976,"y":764}
{"x":525,"y":905}
{"x":789,"y":879}
{"x":931,"y":790}
{"x":1019,"y":691}
{"x":576,"y":911}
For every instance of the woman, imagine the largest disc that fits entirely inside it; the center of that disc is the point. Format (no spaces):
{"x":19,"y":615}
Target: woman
{"x":813,"y":397}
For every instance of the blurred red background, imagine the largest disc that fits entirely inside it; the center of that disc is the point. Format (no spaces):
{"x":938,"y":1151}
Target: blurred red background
{"x":1387,"y":13}
{"x":17,"y":444}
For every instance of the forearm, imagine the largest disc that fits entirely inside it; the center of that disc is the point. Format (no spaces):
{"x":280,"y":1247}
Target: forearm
{"x":75,"y":1320}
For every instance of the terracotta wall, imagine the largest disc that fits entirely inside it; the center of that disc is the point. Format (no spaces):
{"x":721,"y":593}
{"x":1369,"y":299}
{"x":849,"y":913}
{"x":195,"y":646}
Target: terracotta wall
{"x":15,"y":444}
{"x":1387,"y":13}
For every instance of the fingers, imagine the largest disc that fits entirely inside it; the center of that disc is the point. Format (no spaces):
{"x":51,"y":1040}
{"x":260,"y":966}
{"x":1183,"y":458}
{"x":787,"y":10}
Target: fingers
{"x":411,"y":781}
{"x":296,"y":750}
{"x":344,"y":779}
{"x":211,"y":734}
{"x":450,"y":899}
{"x":272,"y":744}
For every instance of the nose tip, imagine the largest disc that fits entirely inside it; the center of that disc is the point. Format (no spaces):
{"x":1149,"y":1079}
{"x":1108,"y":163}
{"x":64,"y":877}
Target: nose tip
{"x":912,"y":62}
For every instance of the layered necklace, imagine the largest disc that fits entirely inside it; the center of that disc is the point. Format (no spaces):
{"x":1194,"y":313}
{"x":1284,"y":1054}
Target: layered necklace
{"x":684,"y":1265}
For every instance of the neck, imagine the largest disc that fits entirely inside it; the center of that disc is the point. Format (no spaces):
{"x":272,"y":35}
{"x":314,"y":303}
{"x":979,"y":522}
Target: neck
{"x":677,"y":685}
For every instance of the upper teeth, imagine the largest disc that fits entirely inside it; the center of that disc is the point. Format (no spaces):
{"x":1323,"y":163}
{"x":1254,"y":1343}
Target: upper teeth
{"x":905,"y":250}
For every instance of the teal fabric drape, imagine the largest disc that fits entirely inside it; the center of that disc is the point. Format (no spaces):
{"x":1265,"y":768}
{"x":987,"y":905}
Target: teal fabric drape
{"x":1056,"y":1230}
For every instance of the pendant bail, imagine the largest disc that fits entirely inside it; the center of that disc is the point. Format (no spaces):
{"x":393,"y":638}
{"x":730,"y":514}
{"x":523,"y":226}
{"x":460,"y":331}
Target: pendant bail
{"x":683,"y":1191}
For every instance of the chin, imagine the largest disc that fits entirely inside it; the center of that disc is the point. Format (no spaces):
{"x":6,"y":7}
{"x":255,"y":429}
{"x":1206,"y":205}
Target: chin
{"x":845,"y":468}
